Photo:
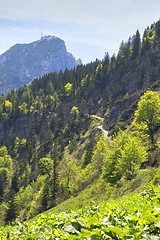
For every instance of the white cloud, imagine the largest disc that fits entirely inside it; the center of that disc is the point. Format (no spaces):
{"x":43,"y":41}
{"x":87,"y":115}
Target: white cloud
{"x":59,"y":10}
{"x":96,"y":25}
{"x":102,"y":14}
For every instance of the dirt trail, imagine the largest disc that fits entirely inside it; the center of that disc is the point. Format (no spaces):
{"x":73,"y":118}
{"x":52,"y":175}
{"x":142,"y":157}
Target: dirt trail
{"x":98,"y":117}
{"x":101,"y":128}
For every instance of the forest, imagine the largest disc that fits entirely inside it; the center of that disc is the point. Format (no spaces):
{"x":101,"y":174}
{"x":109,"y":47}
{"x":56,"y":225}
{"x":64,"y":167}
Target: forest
{"x":51,"y":148}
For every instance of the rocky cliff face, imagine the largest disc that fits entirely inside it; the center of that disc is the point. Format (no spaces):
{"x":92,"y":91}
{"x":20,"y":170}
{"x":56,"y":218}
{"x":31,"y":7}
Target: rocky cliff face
{"x":23,"y":62}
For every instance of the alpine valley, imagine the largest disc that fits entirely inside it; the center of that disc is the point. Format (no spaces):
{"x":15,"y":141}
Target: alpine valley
{"x":85,"y":140}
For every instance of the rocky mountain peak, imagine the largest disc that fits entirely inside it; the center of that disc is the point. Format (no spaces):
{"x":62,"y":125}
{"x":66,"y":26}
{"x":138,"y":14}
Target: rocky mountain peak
{"x":23,"y":62}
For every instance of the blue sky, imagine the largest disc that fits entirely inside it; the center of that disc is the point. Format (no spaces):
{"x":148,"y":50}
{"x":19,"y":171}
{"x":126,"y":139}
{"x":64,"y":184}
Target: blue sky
{"x":89,"y":27}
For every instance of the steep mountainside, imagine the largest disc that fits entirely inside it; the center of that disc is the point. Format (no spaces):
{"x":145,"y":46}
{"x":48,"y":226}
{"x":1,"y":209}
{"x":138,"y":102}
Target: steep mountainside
{"x":23,"y":62}
{"x":50,"y":146}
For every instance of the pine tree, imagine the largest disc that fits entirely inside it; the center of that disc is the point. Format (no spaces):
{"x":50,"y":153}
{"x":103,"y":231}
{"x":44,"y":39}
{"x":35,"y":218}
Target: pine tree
{"x":136,"y":44}
{"x":157,"y":28}
{"x":45,"y":195}
{"x":11,"y":212}
{"x":54,"y":186}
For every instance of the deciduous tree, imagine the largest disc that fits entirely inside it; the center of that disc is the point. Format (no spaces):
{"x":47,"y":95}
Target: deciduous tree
{"x":147,"y":115}
{"x":123,"y":157}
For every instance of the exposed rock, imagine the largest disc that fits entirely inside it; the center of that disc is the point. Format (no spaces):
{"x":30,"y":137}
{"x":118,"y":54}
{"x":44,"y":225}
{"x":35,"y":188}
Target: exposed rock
{"x":24,"y":62}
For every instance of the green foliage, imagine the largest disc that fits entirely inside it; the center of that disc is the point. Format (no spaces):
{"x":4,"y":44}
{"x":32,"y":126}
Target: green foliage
{"x":99,"y":156}
{"x":11,"y":212}
{"x":75,"y":112}
{"x":124,"y":51}
{"x":3,"y":151}
{"x":52,"y":140}
{"x":46,"y":165}
{"x":45,"y":195}
{"x":68,"y":171}
{"x":136,"y":44}
{"x":157,"y":29}
{"x":25,"y":178}
{"x":5,"y":170}
{"x":123,"y":157}
{"x":23,"y":108}
{"x":26,"y":95}
{"x":4,"y":181}
{"x":84,"y":81}
{"x":147,"y":116}
{"x":6,"y":109}
{"x":68,"y":89}
{"x":19,"y":147}
{"x":129,"y":218}
{"x":88,"y":152}
{"x":7,"y":106}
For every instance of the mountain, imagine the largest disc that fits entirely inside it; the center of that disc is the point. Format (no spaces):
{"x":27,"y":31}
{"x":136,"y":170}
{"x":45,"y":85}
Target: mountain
{"x":51,"y":146}
{"x":24,"y":62}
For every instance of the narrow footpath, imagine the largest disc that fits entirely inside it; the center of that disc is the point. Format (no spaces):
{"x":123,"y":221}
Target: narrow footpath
{"x":101,"y":128}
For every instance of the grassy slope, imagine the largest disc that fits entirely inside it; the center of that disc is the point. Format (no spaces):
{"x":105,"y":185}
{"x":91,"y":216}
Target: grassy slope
{"x":131,"y":216}
{"x":101,"y":191}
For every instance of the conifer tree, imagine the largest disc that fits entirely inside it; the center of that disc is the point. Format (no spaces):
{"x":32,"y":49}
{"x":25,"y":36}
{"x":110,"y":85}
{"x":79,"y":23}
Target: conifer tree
{"x":54,"y":178}
{"x":157,"y":28}
{"x":11,"y":212}
{"x":136,"y":44}
{"x":45,"y":195}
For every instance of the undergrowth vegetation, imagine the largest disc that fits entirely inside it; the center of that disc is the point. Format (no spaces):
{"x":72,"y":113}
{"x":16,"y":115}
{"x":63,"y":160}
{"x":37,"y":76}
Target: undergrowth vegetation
{"x":51,"y":148}
{"x":135,"y":217}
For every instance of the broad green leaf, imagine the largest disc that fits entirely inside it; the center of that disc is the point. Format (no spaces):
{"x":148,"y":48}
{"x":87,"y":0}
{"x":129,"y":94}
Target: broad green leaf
{"x":96,"y":232}
{"x":116,"y":230}
{"x":72,"y":237}
{"x":84,"y":219}
{"x":86,"y":233}
{"x":56,"y":233}
{"x":92,"y":221}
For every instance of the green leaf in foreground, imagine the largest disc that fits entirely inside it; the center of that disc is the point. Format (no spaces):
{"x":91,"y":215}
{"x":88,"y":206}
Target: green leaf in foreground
{"x":136,"y":218}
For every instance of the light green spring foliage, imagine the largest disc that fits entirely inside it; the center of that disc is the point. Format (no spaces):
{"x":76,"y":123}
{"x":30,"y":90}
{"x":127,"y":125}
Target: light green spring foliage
{"x":46,"y":165}
{"x":6,"y":109}
{"x":112,"y":160}
{"x":84,"y":81}
{"x":5,"y":159}
{"x":23,"y":108}
{"x":147,"y":115}
{"x":19,"y":145}
{"x":68,"y":173}
{"x":123,"y":157}
{"x":5,"y":169}
{"x":68,"y":89}
{"x":99,"y":155}
{"x":74,"y":112}
{"x":136,"y":217}
{"x":8,"y":106}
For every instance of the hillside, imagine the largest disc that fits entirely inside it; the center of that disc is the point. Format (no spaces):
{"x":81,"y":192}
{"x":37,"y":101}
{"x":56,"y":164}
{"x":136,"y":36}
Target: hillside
{"x":51,"y":144}
{"x":24,"y":62}
{"x":134,"y":217}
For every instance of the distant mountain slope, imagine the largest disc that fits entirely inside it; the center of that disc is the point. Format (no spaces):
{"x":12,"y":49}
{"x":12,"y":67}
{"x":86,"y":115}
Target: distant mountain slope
{"x":23,"y":62}
{"x":50,"y":145}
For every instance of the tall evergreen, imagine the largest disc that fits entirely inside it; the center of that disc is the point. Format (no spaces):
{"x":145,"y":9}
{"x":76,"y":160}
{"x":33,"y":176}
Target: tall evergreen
{"x":45,"y":195}
{"x":136,"y":45}
{"x":54,"y":178}
{"x":157,"y":29}
{"x":12,"y":210}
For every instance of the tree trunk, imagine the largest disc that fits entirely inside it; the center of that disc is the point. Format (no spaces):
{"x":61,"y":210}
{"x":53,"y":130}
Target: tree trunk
{"x":152,"y":136}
